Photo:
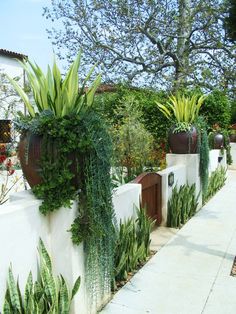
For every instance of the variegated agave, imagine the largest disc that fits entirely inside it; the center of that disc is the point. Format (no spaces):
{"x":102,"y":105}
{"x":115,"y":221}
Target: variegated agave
{"x":47,"y":295}
{"x":182,"y":108}
{"x":51,"y":92}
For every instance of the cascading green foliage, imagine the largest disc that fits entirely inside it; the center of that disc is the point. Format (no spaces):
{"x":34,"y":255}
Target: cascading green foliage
{"x":94,"y":224}
{"x":47,"y":295}
{"x":216,"y":182}
{"x":182,"y":205}
{"x":88,"y":139}
{"x":133,"y":244}
{"x":203,"y":150}
{"x":76,"y":147}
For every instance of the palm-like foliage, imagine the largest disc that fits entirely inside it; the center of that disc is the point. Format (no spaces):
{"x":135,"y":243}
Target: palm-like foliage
{"x":51,"y":92}
{"x":182,"y":108}
{"x":47,"y":295}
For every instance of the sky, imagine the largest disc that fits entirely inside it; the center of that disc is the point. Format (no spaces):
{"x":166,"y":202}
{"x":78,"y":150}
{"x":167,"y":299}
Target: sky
{"x":23,"y":30}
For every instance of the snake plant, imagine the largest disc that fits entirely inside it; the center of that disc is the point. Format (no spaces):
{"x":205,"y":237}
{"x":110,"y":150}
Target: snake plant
{"x":52,"y":92}
{"x":47,"y":295}
{"x":216,"y":182}
{"x":182,"y":205}
{"x":133,"y":244}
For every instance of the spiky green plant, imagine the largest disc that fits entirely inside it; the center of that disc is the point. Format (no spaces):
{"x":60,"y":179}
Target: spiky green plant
{"x":182,"y":205}
{"x":52,"y":92}
{"x":47,"y":295}
{"x":216,"y":182}
{"x":181,"y":108}
{"x":133,"y":244}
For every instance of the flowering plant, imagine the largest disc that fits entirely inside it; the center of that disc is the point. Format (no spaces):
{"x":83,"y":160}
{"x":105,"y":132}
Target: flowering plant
{"x":8,"y":164}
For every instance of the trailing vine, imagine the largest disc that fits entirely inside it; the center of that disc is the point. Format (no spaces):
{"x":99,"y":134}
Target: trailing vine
{"x":86,"y":141}
{"x":203,"y":150}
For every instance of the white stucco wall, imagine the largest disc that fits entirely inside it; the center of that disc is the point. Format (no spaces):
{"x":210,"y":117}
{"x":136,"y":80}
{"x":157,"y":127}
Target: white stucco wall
{"x":233,"y":154}
{"x":185,"y":168}
{"x":191,"y":162}
{"x":21,"y":226}
{"x":126,"y":199}
{"x":180,"y":178}
{"x":11,"y":67}
{"x":214,"y":160}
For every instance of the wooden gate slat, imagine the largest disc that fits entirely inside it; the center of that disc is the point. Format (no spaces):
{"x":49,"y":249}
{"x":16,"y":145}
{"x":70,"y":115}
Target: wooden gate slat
{"x":151,"y":194}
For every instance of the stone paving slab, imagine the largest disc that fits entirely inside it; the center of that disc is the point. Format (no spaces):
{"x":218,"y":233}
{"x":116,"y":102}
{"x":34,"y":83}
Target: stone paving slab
{"x":191,"y":273}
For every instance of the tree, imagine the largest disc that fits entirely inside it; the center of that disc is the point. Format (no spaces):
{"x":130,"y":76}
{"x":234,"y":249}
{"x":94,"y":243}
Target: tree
{"x":148,"y":42}
{"x":10,"y":102}
{"x":230,"y":20}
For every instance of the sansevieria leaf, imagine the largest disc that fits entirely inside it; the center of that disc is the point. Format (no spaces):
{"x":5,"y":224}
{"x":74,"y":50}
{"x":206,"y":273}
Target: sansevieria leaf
{"x":75,"y":287}
{"x":6,"y":308}
{"x":13,"y":292}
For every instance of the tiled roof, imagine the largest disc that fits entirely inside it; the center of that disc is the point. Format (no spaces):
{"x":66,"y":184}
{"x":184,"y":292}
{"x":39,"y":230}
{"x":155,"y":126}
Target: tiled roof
{"x":12,"y":54}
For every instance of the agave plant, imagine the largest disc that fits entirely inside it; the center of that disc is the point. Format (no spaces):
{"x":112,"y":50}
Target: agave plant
{"x":182,"y":108}
{"x":47,"y":295}
{"x":52,"y":92}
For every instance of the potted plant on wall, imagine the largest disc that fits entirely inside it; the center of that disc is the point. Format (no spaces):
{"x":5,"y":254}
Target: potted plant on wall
{"x":183,"y":112}
{"x":219,"y":139}
{"x":216,"y":137}
{"x":65,"y":154}
{"x":53,"y":98}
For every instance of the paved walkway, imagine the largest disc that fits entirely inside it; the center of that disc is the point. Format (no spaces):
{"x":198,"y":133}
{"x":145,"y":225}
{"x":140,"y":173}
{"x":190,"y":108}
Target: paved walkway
{"x":191,"y":273}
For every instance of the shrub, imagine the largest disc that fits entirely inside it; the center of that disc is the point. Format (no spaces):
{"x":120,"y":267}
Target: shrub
{"x":153,"y":120}
{"x":132,"y":142}
{"x":216,"y":109}
{"x":111,"y":105}
{"x":233,"y":112}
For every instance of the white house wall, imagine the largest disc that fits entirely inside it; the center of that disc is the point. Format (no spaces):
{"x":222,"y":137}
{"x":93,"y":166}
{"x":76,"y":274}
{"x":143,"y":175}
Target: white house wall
{"x":11,"y":67}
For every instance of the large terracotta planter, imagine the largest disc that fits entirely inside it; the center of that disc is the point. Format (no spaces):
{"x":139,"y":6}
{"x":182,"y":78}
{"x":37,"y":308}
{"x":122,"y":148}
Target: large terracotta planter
{"x":183,"y":142}
{"x":30,"y":151}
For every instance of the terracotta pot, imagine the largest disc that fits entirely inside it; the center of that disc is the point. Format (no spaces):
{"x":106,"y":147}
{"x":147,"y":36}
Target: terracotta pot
{"x":232,"y":138}
{"x":183,"y":142}
{"x":30,"y":150}
{"x":218,"y":141}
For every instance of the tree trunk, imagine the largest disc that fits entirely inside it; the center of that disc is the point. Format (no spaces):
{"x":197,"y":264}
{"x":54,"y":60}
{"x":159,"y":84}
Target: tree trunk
{"x":184,"y":28}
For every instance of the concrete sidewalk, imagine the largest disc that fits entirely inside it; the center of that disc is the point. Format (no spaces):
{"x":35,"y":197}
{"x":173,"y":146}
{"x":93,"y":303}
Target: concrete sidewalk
{"x":191,"y":273}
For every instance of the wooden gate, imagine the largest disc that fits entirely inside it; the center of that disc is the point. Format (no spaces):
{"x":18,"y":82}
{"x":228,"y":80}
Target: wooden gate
{"x":151,"y":194}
